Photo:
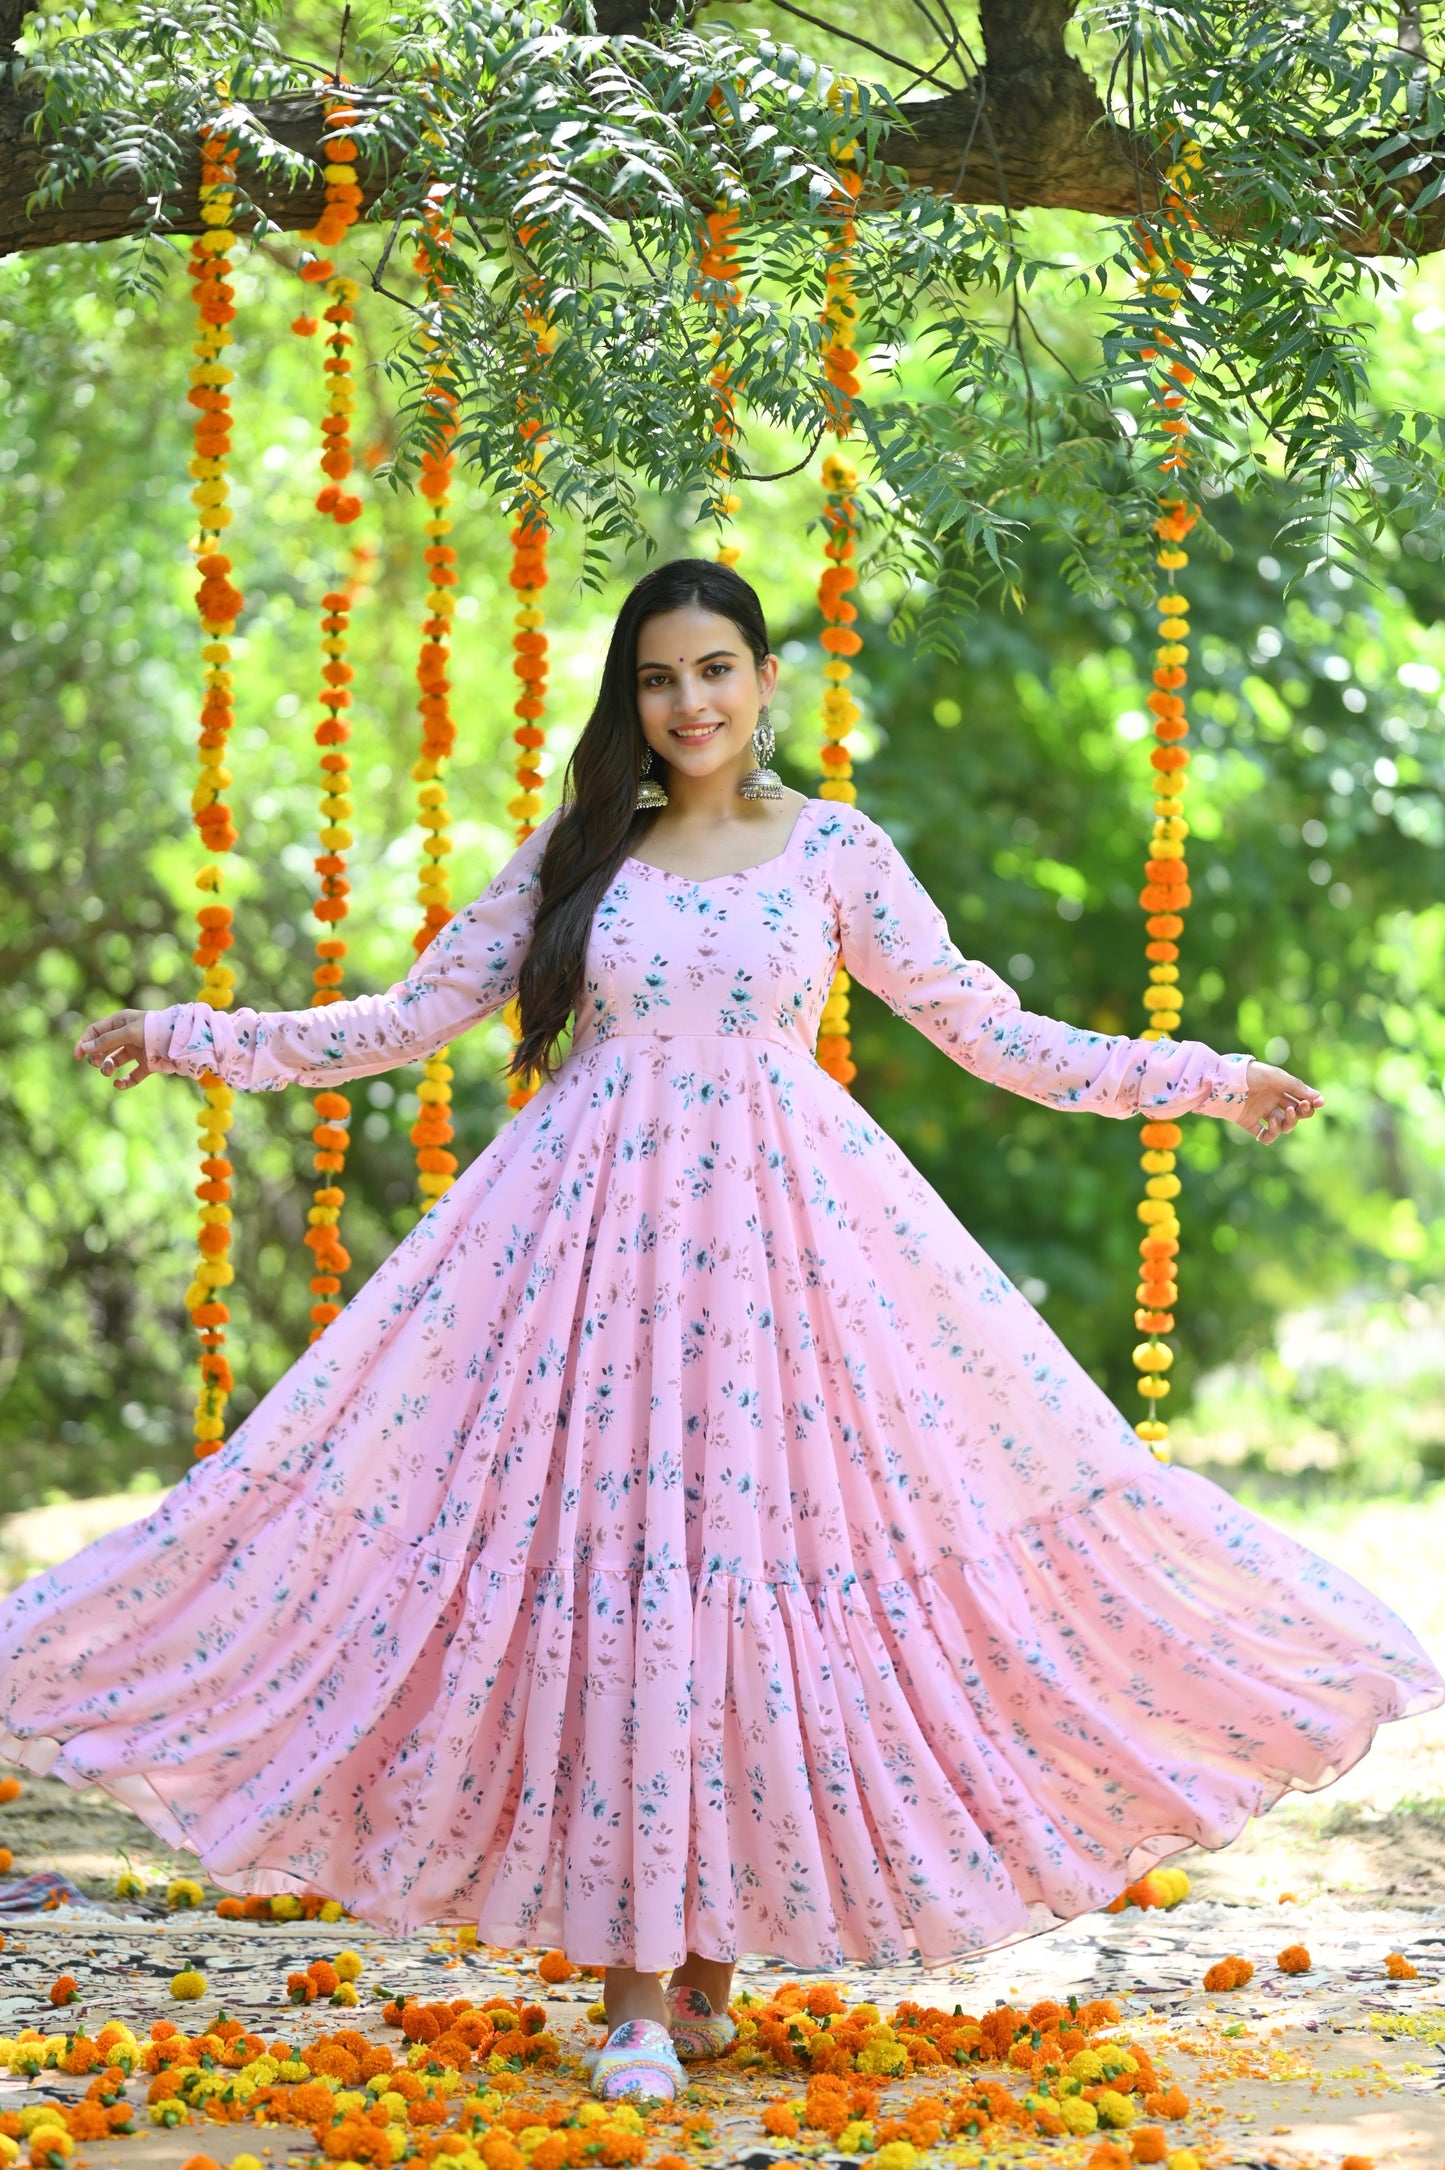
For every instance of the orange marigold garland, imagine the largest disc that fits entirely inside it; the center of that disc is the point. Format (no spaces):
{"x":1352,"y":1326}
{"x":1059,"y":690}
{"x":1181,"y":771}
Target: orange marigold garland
{"x":219,"y":604}
{"x":840,"y":517}
{"x":1164,"y":261}
{"x":331,"y":1136}
{"x":432,"y":1132}
{"x":528,"y":578}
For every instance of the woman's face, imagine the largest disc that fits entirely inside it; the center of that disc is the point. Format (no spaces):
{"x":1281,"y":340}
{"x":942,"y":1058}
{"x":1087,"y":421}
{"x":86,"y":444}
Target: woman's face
{"x":699,"y":690}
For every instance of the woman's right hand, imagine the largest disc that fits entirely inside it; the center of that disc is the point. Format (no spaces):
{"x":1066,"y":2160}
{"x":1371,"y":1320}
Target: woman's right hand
{"x":113,"y":1044}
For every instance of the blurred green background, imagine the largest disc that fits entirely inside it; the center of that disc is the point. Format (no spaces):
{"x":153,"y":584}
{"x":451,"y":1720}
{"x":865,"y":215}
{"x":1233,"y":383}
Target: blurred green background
{"x":1015,"y":780}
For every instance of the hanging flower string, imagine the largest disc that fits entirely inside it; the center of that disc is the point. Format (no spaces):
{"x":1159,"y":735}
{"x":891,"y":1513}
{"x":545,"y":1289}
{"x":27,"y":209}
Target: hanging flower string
{"x":718,"y":266}
{"x":528,"y":578}
{"x":432,"y":1132}
{"x":840,"y":518}
{"x":1164,"y":257}
{"x":331,"y":1136}
{"x":219,"y":604}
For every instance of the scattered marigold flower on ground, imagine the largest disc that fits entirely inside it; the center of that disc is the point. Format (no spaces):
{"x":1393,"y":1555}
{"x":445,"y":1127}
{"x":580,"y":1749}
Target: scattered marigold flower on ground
{"x":1399,"y":1969}
{"x":10,"y":1789}
{"x":348,"y":1965}
{"x":7,"y":1861}
{"x":555,"y":1966}
{"x":200,"y":2162}
{"x":1358,"y":2162}
{"x":1288,"y":1898}
{"x":1170,"y":2102}
{"x":1230,"y":1973}
{"x":1184,"y":2158}
{"x":1149,"y":2144}
{"x":231,"y":1909}
{"x":1294,"y":1959}
{"x":188,"y":1985}
{"x":184,"y":1891}
{"x":65,"y":1989}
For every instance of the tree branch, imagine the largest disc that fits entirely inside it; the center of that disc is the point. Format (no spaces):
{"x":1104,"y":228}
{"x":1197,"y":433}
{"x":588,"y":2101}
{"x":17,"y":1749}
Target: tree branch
{"x":1028,"y":130}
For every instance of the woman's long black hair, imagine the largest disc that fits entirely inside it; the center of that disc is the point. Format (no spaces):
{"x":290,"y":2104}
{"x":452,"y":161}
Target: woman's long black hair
{"x":599,"y":823}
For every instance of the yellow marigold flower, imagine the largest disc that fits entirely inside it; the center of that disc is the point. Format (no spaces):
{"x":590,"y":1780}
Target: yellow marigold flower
{"x":896,"y":2155}
{"x":1086,"y":2065}
{"x":129,"y":1886}
{"x":857,"y":2138}
{"x":188,"y":1985}
{"x":184,"y":1891}
{"x":331,"y":1910}
{"x":349,"y":1965}
{"x":285,"y":1906}
{"x":1183,"y":2158}
{"x":245,"y":2162}
{"x":9,"y":2150}
{"x":1077,"y":2116}
{"x":1115,"y":2110}
{"x":346,"y":1994}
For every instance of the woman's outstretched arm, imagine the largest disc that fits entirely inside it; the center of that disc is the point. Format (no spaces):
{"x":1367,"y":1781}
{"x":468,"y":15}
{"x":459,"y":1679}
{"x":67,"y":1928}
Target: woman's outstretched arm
{"x":469,"y":971}
{"x":895,"y":940}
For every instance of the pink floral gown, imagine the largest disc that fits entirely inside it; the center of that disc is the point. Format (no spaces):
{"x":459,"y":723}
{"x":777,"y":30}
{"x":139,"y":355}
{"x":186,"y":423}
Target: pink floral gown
{"x":689,"y":1539}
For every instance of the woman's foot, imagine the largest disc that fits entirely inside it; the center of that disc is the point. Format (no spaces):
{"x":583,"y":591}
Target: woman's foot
{"x":637,"y":2059}
{"x":696,"y":2029}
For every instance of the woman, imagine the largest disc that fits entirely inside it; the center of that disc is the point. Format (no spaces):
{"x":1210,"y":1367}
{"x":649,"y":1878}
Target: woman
{"x":689,"y":1540}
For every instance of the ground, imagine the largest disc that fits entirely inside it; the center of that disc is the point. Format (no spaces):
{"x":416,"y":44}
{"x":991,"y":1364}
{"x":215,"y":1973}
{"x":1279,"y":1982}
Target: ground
{"x":1294,"y":2070}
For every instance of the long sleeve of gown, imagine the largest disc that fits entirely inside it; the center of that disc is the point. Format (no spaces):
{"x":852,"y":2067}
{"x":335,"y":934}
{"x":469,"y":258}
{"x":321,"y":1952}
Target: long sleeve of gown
{"x":469,"y":971}
{"x":895,"y":940}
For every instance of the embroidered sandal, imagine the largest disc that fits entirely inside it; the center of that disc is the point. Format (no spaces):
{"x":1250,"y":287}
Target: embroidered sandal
{"x":697,"y":2030}
{"x":637,"y":2058}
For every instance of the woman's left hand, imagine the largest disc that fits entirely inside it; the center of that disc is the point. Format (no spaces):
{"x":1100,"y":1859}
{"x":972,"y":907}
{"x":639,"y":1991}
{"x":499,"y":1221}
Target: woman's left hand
{"x":1276,"y":1102}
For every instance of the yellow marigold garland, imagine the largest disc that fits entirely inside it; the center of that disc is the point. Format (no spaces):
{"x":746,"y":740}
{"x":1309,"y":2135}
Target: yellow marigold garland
{"x":840,"y":517}
{"x":432,"y":1132}
{"x":1164,"y":262}
{"x":219,"y":604}
{"x":333,"y":1110}
{"x":718,"y":264}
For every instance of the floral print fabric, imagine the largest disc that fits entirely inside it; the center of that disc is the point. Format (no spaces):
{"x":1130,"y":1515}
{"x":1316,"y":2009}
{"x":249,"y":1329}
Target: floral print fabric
{"x":689,"y":1539}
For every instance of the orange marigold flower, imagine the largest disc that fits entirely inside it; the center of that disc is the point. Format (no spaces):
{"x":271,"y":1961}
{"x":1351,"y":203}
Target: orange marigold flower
{"x":65,"y":1989}
{"x":1294,"y":1959}
{"x":1399,"y":1969}
{"x":1230,"y":1973}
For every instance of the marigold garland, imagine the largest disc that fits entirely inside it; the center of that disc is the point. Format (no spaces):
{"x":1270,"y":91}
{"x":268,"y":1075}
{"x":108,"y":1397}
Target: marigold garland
{"x":219,"y":604}
{"x":718,"y":267}
{"x":528,"y":578}
{"x":331,"y":1135}
{"x":840,"y":517}
{"x":432,"y":1132}
{"x":1164,"y":259}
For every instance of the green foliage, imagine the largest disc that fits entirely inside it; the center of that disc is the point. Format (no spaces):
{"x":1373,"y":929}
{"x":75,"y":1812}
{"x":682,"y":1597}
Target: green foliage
{"x":1018,"y":788}
{"x":577,"y":170}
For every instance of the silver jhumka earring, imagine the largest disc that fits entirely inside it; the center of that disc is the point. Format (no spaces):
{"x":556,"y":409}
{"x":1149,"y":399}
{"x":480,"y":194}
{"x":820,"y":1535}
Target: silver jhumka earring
{"x":760,"y":781}
{"x":650,"y":794}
